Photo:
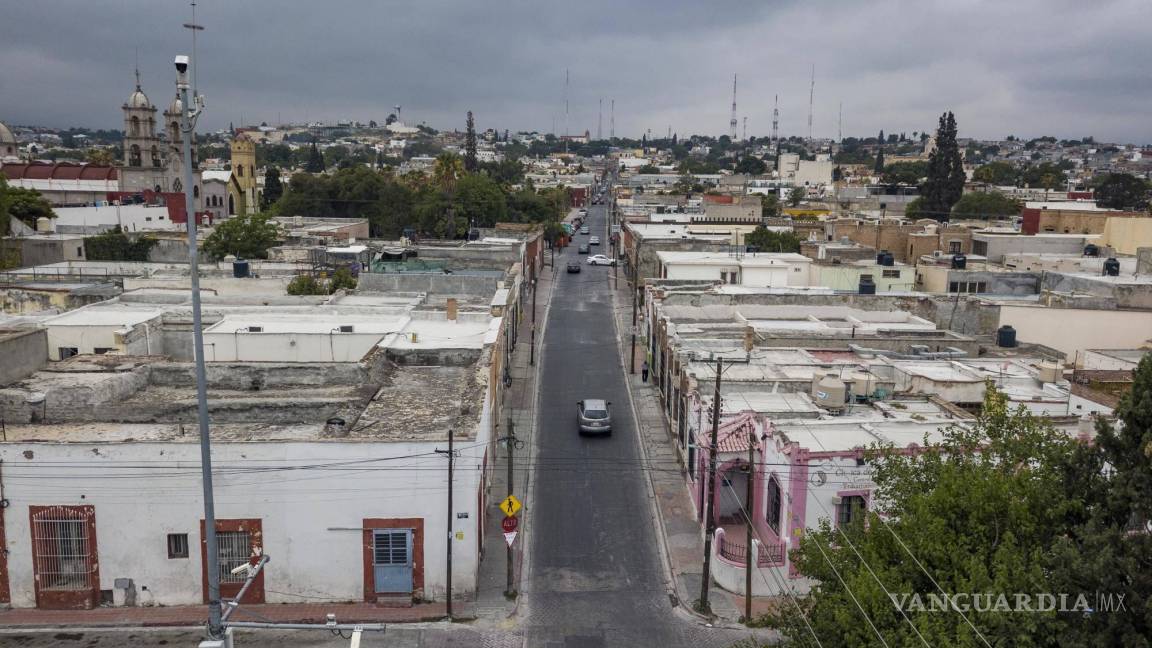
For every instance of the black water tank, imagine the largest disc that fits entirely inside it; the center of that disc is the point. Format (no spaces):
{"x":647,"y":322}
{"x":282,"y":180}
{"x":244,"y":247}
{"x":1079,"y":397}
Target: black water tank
{"x":885,"y":258}
{"x":1111,"y":267}
{"x":1006,"y":336}
{"x":1091,"y":250}
{"x":959,"y":261}
{"x":867,"y":287}
{"x":240,"y":269}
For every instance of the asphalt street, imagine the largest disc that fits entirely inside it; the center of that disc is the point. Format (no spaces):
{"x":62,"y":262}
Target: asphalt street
{"x":595,"y":575}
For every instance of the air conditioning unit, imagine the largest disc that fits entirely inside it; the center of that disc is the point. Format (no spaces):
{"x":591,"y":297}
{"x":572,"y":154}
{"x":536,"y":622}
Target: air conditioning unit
{"x":347,"y":328}
{"x":936,"y":253}
{"x":837,"y":500}
{"x":255,"y":329}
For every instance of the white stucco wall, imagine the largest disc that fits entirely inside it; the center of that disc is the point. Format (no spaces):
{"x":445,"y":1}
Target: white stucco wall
{"x":1070,"y":330}
{"x":136,"y":508}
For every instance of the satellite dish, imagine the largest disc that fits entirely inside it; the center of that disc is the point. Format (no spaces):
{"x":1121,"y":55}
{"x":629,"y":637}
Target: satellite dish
{"x":818,"y":478}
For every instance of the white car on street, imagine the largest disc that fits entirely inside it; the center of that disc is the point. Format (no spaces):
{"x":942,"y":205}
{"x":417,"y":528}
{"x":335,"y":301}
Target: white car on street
{"x":600,"y":259}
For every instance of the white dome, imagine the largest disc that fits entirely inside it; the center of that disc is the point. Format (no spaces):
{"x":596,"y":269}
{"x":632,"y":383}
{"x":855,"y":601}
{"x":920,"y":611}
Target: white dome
{"x":6,"y":136}
{"x":176,"y":107}
{"x":138,"y":99}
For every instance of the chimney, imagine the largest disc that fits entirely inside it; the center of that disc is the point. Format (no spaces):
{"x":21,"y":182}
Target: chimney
{"x":452,"y":308}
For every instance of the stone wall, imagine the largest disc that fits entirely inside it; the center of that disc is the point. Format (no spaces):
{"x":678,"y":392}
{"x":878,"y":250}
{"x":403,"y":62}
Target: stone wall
{"x":24,"y":351}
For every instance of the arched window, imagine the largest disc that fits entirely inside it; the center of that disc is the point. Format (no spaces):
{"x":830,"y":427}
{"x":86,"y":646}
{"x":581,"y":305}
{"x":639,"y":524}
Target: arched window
{"x":134,"y":155}
{"x":156,"y":161}
{"x":135,"y":126}
{"x":231,"y":205}
{"x":195,"y":191}
{"x":252,"y":171}
{"x":240,"y":170}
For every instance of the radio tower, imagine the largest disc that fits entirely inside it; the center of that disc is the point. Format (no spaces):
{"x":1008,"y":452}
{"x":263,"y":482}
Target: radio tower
{"x":745,"y":138}
{"x":600,"y":120}
{"x":776,"y":126}
{"x":612,"y":120}
{"x":565,"y":110}
{"x":811,"y":101}
{"x":732,"y":121}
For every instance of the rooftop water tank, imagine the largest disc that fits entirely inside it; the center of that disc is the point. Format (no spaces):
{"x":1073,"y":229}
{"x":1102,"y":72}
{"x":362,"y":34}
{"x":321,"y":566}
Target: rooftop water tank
{"x":240,"y":269}
{"x":1050,"y":372}
{"x":885,"y":258}
{"x":1112,"y":267}
{"x":829,"y":392}
{"x":1006,"y":336}
{"x":959,"y":261}
{"x":1091,"y":250}
{"x":44,"y":224}
{"x":867,"y":286}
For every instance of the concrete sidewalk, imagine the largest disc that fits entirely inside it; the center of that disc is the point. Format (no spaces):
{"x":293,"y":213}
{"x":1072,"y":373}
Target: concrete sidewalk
{"x":194,"y":615}
{"x":491,"y":606}
{"x":676,"y":516}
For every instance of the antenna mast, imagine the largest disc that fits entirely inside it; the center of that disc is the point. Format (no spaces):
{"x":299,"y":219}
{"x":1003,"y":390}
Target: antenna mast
{"x":840,"y":123}
{"x":600,"y":121}
{"x":195,"y":27}
{"x":612,"y":120}
{"x":565,"y":110}
{"x":811,"y":101}
{"x":745,"y":128}
{"x":776,"y":126}
{"x":732,"y":120}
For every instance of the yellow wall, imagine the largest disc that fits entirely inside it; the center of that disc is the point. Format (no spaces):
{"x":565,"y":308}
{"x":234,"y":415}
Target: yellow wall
{"x":1126,"y":234}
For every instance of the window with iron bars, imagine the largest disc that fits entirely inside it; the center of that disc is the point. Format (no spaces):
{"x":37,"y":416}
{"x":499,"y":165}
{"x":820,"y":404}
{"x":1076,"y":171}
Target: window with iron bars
{"x":61,"y":549}
{"x":235,"y":549}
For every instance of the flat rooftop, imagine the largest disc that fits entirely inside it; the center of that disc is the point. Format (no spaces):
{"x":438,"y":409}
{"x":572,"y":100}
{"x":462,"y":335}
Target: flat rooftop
{"x":422,"y":404}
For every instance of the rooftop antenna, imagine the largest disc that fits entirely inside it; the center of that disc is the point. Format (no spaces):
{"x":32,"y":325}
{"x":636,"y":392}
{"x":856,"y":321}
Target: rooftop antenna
{"x":811,"y":101}
{"x":194,"y":27}
{"x":840,"y":123}
{"x":600,"y":121}
{"x":612,"y":120}
{"x":732,"y":120}
{"x":776,"y":126}
{"x":397,"y":107}
{"x":565,"y":110}
{"x":669,"y":132}
{"x":137,"y":68}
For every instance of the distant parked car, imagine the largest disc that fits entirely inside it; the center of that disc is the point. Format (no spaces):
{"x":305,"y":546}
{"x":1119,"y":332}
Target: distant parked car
{"x":574,"y":267}
{"x":583,"y":248}
{"x":594,"y":416}
{"x":595,"y":240}
{"x":600,"y":259}
{"x":584,"y":230}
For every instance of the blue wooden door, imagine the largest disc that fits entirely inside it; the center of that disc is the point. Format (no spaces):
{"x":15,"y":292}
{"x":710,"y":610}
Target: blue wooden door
{"x":392,"y":560}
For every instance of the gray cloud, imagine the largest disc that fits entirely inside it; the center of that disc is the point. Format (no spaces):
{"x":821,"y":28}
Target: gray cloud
{"x":1028,"y":67}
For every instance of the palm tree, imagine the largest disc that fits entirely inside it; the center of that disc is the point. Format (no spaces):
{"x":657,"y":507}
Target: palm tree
{"x":447,"y":170}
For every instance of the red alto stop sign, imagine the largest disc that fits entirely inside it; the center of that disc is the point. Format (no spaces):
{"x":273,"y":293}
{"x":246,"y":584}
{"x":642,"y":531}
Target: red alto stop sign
{"x":509,"y":524}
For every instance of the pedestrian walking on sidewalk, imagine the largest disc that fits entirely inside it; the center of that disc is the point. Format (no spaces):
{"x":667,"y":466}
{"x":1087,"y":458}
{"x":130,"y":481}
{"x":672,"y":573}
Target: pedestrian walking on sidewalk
{"x":644,"y":371}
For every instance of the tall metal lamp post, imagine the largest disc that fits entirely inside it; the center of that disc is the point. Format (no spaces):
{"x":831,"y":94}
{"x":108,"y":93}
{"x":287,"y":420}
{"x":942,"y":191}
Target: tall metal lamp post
{"x":188,"y":118}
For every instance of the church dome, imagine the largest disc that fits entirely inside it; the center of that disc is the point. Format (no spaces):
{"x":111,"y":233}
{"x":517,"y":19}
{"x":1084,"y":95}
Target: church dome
{"x":138,"y":99}
{"x":176,"y":107}
{"x":6,"y":136}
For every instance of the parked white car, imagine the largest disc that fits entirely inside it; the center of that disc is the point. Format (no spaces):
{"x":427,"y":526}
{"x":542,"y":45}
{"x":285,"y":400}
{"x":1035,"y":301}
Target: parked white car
{"x":600,"y":259}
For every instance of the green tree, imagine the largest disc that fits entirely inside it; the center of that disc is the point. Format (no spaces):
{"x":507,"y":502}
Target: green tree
{"x":906,"y":173}
{"x":985,"y":206}
{"x":766,"y":240}
{"x":28,"y":205}
{"x":470,"y":163}
{"x":751,"y":165}
{"x":1121,"y":191}
{"x":100,"y":157}
{"x":945,"y":179}
{"x":305,"y":284}
{"x":913,"y":208}
{"x":770,"y":206}
{"x":447,"y":169}
{"x":5,"y":202}
{"x":879,"y":168}
{"x":479,"y":201}
{"x":273,"y":190}
{"x":315,"y":162}
{"x":115,"y":245}
{"x":796,"y":195}
{"x":980,"y":511}
{"x":342,"y":279}
{"x":247,"y":237}
{"x":1043,"y":176}
{"x":506,"y":172}
{"x":648,"y":168}
{"x":997,"y":173}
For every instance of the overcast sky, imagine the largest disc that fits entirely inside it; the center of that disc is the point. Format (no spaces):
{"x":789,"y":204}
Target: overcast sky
{"x":1068,"y":68}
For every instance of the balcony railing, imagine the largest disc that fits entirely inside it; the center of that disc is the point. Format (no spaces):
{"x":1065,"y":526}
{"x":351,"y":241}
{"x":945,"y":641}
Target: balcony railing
{"x":770,"y":555}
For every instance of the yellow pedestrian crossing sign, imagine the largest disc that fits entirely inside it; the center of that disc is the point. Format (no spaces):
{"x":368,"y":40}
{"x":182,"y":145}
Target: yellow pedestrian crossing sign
{"x":510,"y":505}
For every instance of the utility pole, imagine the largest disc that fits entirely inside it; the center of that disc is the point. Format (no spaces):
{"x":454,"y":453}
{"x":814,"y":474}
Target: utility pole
{"x":709,"y":512}
{"x":748,"y":508}
{"x":532,"y":341}
{"x":448,"y":551}
{"x":188,"y":118}
{"x":511,"y":441}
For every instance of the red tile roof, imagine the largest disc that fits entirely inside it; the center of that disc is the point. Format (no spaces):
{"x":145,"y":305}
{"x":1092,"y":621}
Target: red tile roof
{"x":61,"y":171}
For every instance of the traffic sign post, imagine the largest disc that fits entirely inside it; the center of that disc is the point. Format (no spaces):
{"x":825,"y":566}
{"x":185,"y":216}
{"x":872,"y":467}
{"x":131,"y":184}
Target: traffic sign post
{"x":511,"y":506}
{"x":510,"y":537}
{"x":509,"y":524}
